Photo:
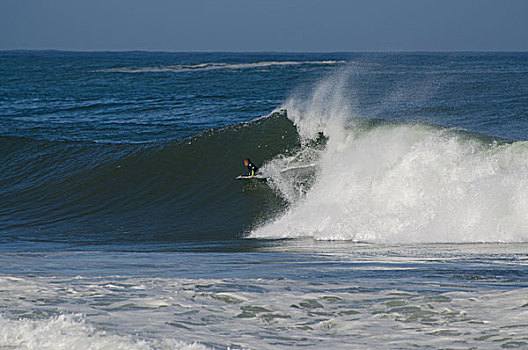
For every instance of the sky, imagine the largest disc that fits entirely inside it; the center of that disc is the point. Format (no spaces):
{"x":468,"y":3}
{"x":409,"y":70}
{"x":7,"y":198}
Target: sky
{"x":264,"y":25}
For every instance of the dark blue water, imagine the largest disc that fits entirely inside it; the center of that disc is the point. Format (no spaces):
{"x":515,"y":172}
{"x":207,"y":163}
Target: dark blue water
{"x":162,"y":97}
{"x":98,"y":97}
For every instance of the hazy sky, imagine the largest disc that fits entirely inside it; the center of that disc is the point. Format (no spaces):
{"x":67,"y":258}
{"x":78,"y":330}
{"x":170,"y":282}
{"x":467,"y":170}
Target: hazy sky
{"x":265,"y":25}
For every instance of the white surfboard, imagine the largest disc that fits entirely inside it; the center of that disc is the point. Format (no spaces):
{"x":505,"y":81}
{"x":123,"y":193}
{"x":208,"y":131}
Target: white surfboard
{"x":255,"y":177}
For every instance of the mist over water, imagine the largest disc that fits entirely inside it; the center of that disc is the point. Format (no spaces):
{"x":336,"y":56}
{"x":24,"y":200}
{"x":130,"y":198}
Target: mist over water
{"x":399,"y":182}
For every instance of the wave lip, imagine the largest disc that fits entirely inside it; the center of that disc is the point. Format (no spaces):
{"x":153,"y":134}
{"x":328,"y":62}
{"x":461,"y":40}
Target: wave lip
{"x":215,"y":66}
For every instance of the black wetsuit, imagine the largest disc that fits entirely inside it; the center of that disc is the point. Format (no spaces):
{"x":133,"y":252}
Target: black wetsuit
{"x":252,"y":169}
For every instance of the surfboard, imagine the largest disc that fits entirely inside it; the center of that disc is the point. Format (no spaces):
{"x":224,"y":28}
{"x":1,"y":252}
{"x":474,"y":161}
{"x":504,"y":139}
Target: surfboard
{"x":255,"y":177}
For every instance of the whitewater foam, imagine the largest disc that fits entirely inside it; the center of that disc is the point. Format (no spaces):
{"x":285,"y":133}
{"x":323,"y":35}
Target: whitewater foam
{"x":71,"y":331}
{"x":387,"y":182}
{"x":363,"y":309}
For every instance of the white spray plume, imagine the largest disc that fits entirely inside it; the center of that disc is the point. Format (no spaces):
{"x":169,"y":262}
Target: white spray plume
{"x":399,"y":182}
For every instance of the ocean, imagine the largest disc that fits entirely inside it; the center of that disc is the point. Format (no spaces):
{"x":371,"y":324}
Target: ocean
{"x":394,"y":214}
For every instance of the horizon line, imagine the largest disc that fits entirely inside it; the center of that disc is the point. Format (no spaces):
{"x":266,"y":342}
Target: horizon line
{"x":262,"y":52}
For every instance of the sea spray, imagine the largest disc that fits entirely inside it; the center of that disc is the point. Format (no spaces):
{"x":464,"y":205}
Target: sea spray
{"x":401,"y":182}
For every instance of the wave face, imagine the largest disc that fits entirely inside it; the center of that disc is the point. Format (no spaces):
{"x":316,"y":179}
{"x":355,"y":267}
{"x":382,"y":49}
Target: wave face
{"x":139,"y":193}
{"x":397,"y":182}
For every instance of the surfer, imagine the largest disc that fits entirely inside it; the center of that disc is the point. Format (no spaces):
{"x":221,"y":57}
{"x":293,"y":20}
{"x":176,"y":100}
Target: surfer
{"x":252,"y":169}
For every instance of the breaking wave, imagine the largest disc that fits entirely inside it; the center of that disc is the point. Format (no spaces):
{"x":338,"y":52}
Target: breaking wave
{"x":333,"y":174}
{"x":384,"y":182}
